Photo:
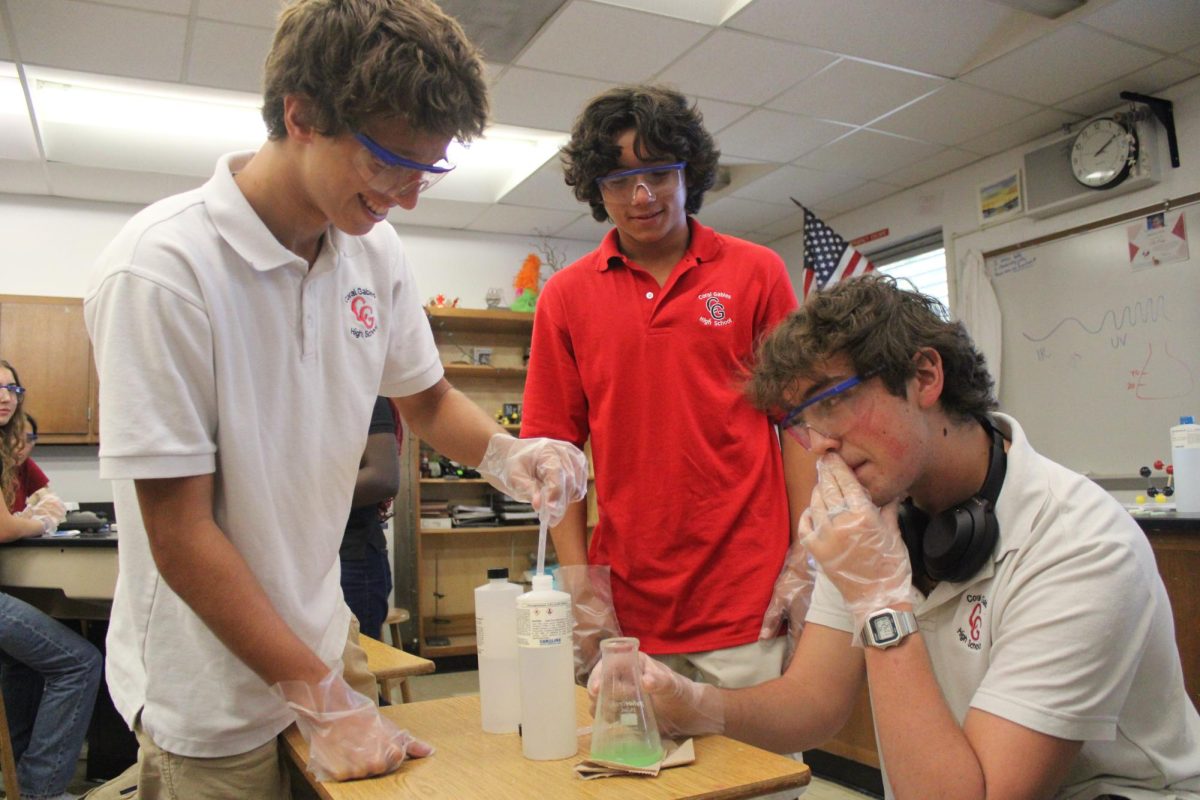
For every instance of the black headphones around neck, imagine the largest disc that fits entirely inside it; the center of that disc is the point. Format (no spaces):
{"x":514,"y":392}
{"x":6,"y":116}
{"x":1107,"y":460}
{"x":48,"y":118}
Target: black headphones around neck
{"x":956,"y":543}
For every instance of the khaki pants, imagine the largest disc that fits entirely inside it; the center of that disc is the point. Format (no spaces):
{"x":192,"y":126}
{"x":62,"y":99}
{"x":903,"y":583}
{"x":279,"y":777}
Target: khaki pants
{"x":261,"y":774}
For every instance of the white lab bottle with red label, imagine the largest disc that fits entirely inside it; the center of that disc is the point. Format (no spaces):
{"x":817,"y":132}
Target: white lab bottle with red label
{"x":547,"y":672}
{"x":496,"y":646}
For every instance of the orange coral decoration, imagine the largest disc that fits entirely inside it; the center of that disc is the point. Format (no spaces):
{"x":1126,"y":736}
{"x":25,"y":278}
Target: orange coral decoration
{"x":529,"y":275}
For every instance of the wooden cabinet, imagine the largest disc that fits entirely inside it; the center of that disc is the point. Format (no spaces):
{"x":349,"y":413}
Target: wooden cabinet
{"x":451,"y":562}
{"x":44,"y":338}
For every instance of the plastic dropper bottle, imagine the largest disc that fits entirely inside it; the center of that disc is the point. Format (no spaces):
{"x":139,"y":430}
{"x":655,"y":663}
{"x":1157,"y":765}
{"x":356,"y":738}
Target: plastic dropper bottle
{"x":547,"y":672}
{"x":496,"y":644}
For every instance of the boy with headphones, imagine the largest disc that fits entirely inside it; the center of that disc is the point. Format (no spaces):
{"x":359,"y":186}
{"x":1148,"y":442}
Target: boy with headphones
{"x":1011,"y":624}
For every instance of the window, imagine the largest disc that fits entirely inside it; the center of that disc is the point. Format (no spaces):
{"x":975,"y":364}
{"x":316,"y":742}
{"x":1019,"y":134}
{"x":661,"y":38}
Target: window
{"x":922,"y":261}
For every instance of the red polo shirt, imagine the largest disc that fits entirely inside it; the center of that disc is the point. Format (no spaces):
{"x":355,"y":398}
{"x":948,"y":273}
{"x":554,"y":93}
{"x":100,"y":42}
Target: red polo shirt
{"x":693,"y":514}
{"x":30,"y":478}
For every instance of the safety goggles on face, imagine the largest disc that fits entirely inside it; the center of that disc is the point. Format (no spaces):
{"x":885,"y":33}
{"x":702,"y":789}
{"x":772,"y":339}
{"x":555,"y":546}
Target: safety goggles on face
{"x":621,"y":187}
{"x":391,"y":174}
{"x":829,"y":413}
{"x":13,"y":389}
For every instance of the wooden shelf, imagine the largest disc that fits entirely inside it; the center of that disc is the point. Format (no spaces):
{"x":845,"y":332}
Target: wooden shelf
{"x":485,"y":320}
{"x":481,"y":529}
{"x":483,"y":371}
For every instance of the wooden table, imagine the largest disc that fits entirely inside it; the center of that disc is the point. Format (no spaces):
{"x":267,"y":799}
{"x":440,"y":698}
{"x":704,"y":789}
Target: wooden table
{"x":69,"y":577}
{"x":472,"y":764}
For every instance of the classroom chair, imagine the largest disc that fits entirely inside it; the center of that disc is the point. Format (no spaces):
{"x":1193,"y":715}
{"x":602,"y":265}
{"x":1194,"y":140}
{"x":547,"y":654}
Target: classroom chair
{"x":391,"y":665}
{"x":395,"y":618}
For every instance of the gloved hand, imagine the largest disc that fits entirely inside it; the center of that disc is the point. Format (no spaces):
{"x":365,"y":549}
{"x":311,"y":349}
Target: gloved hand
{"x":347,"y":737}
{"x":858,"y":546}
{"x":45,"y":508}
{"x":545,"y":472}
{"x":681,"y":706}
{"x":590,"y":587}
{"x":790,"y":598}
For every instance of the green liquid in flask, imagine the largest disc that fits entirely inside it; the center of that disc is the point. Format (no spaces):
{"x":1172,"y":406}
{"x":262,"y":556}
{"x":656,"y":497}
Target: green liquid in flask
{"x":630,"y":752}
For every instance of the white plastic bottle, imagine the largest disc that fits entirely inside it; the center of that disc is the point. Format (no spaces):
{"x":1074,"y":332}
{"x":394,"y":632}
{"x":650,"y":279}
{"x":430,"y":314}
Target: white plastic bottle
{"x":496,"y":645}
{"x":547,"y":670}
{"x":1185,"y":458}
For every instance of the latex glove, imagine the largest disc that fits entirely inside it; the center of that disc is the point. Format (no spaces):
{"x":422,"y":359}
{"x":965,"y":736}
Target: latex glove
{"x":347,"y":737}
{"x":590,"y":587}
{"x":682,"y":707}
{"x":46,"y":509}
{"x":858,"y":546}
{"x":790,"y":598}
{"x":545,"y":472}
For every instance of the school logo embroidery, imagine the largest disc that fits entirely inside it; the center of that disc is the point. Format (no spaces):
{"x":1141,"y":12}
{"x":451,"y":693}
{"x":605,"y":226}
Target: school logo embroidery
{"x":715,"y":312}
{"x":361,"y":303}
{"x":971,"y":635}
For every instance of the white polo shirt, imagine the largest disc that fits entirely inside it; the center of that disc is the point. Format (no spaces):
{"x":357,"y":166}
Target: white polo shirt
{"x":1068,"y":631}
{"x":219,"y":351}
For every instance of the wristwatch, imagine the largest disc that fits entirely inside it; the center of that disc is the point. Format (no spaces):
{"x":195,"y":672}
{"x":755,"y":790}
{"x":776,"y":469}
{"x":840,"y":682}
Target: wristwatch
{"x":887,"y":627}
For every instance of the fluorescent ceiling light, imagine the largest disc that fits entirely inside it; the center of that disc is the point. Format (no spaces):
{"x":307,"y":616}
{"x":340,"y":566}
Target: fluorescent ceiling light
{"x":17,"y":141}
{"x":708,"y":12}
{"x":96,"y":121}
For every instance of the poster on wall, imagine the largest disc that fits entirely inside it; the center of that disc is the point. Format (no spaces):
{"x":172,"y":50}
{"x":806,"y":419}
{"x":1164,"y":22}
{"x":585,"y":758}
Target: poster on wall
{"x":1160,"y":238}
{"x":1000,"y":201}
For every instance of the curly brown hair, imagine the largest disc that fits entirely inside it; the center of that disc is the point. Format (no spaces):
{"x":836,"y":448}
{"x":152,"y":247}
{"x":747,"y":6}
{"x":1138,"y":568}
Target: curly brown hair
{"x":667,"y":128}
{"x":12,"y":439}
{"x":879,"y":327}
{"x":357,"y":60}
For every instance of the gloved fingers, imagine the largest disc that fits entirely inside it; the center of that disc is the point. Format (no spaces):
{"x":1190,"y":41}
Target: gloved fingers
{"x":51,"y":506}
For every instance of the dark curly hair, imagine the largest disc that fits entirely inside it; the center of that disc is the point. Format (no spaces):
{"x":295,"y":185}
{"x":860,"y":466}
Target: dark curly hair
{"x":879,"y":327}
{"x":356,"y":60}
{"x":667,"y":128}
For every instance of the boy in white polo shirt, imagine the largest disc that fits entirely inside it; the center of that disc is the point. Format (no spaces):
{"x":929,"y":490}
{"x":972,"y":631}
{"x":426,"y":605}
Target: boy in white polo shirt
{"x":1008,"y":618}
{"x":242,"y":332}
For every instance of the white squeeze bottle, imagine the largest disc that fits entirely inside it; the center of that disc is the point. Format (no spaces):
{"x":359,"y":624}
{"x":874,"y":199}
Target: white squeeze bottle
{"x":496,"y":645}
{"x":1185,"y":458}
{"x":547,"y":670}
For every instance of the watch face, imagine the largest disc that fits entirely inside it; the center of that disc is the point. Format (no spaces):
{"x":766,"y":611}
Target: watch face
{"x":883,"y":629}
{"x":1102,"y":153}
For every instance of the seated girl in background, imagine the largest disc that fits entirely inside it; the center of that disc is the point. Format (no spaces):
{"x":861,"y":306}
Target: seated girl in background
{"x":49,"y":674}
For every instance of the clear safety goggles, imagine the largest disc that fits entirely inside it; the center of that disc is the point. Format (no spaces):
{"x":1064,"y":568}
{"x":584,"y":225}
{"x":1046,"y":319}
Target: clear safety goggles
{"x":829,"y":413}
{"x":391,"y":174}
{"x":621,"y":187}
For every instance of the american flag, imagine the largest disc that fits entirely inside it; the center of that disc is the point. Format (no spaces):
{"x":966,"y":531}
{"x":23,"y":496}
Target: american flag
{"x":827,"y":257}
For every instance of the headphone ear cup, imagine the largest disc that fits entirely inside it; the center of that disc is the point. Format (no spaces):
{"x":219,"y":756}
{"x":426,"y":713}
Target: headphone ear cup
{"x":959,"y":541}
{"x":912,"y":529}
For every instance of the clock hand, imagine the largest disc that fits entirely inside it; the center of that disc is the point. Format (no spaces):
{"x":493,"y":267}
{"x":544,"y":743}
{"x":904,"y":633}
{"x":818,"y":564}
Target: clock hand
{"x":1104,"y":146}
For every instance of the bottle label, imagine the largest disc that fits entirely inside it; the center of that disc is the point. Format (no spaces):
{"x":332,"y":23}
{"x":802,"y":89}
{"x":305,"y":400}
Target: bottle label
{"x":543,"y":623}
{"x":480,"y":639}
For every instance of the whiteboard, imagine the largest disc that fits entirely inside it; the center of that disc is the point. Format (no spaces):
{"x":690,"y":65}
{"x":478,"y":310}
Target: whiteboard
{"x":1101,"y":347}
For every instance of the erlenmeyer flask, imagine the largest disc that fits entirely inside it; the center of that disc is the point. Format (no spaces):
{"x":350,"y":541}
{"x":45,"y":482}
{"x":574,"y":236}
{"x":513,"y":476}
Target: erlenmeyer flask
{"x":625,"y":731}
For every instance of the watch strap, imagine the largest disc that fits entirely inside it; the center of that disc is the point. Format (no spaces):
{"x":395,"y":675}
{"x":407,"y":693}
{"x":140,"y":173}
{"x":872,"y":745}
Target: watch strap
{"x":905,"y":623}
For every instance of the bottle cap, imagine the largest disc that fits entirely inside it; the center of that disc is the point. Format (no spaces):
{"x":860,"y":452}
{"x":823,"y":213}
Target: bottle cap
{"x":497,"y":572}
{"x":543,"y":583}
{"x":1188,"y":420}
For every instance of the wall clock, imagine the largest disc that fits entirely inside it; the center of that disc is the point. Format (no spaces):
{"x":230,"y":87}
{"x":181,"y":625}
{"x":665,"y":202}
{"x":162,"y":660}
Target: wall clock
{"x":1103,"y":153}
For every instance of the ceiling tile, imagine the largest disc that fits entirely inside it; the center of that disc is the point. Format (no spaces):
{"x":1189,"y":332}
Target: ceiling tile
{"x":501,"y":218}
{"x":23,"y":177}
{"x":953,"y":114}
{"x":776,"y":136}
{"x":104,"y":39}
{"x":1168,"y":25}
{"x":646,"y":43}
{"x":1024,"y":130}
{"x":792,"y":223}
{"x":736,"y":214}
{"x":710,"y":12}
{"x":262,"y":13}
{"x":938,"y":37}
{"x":718,"y":114}
{"x":545,"y":189}
{"x":1192,"y":53}
{"x":16,"y":131}
{"x":180,"y":7}
{"x":585,"y":229}
{"x":742,"y":68}
{"x":437,"y":214}
{"x":806,"y":185}
{"x":868,"y":154}
{"x":501,"y":28}
{"x":1061,"y":64}
{"x":5,"y":53}
{"x":855,"y":198}
{"x":854,"y":92}
{"x":1151,"y":80}
{"x":543,"y":100}
{"x":946,"y":161}
{"x":97,"y":183}
{"x":228,"y":56}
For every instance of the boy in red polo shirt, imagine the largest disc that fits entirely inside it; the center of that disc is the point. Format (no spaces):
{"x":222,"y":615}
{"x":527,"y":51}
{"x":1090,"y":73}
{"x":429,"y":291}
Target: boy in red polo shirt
{"x":639,"y":347}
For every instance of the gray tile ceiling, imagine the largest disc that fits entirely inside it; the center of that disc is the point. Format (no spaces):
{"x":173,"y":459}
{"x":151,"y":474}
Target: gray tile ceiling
{"x":836,"y":102}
